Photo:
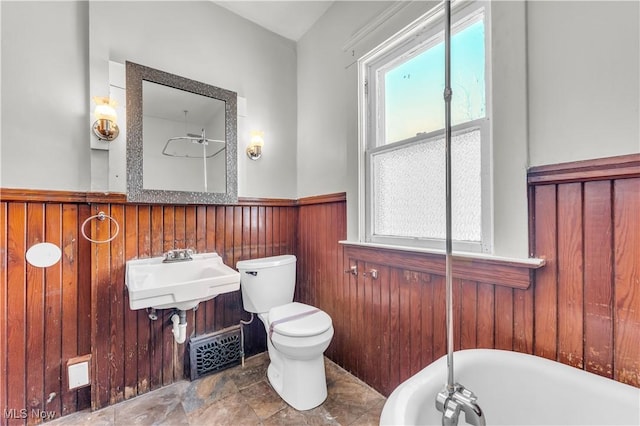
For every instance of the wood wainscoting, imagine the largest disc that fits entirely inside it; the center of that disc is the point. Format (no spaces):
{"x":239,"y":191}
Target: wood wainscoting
{"x":585,"y":220}
{"x":45,"y":313}
{"x":389,"y":324}
{"x":582,"y":308}
{"x":80,"y":305}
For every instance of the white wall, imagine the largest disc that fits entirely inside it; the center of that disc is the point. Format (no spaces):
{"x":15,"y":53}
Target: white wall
{"x":327,"y":100}
{"x":584,"y":80}
{"x":53,"y":53}
{"x":45,"y":96}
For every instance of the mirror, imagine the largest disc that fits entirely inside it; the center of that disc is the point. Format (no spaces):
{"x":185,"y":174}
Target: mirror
{"x":181,"y":139}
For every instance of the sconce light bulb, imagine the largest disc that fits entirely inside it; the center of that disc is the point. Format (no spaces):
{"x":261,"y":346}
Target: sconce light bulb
{"x":254,"y":150}
{"x":105,"y":112}
{"x":257,"y":138}
{"x":105,"y":126}
{"x":105,"y":109}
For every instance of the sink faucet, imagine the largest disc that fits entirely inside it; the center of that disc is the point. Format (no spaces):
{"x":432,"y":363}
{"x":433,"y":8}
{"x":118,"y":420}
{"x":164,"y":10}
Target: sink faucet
{"x":179,"y":255}
{"x":450,"y":404}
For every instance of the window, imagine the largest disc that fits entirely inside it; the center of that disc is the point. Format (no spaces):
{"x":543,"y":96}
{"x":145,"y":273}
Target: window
{"x":402,"y":116}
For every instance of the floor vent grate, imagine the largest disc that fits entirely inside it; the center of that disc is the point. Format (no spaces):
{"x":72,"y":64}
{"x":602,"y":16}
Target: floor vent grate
{"x":214,"y":352}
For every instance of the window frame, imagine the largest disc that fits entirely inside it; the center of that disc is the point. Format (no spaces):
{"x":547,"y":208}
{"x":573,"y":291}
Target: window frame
{"x":422,"y":34}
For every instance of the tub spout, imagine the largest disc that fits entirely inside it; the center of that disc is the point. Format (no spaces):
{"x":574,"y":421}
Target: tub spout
{"x":450,"y":404}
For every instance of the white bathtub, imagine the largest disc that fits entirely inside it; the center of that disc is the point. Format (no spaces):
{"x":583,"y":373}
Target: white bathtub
{"x":516,"y":389}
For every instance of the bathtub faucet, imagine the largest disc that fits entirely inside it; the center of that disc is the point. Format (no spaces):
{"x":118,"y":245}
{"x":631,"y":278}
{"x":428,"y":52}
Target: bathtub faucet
{"x":450,"y":404}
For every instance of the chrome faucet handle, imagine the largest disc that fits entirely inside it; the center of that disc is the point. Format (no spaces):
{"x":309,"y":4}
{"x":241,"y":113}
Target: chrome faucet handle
{"x":467,"y":396}
{"x":451,"y":402}
{"x":178,"y":255}
{"x":448,"y":407}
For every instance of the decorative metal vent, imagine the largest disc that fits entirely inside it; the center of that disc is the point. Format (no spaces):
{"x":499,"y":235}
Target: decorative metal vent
{"x":214,"y":352}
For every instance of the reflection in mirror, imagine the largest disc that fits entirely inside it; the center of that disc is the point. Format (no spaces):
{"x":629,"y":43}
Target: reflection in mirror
{"x":181,"y":139}
{"x":182,"y":131}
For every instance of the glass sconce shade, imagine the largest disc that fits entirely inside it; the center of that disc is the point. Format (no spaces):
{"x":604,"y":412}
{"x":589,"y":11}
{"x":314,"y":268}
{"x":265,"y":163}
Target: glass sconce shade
{"x":254,"y":150}
{"x":105,"y":127}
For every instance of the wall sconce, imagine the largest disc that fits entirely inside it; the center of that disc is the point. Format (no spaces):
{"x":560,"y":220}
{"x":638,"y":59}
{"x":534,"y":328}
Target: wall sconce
{"x":254,"y":150}
{"x":105,"y":127}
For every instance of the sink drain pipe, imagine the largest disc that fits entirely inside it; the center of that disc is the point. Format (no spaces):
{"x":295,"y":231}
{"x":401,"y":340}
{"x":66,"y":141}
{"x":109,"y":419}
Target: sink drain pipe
{"x":179,"y":320}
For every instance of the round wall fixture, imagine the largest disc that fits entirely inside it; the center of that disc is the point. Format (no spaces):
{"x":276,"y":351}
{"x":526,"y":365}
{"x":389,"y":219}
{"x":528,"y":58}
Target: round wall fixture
{"x":43,"y":255}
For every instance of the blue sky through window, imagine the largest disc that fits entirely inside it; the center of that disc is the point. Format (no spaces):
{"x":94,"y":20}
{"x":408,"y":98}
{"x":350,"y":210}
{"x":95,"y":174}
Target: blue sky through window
{"x":413,"y":89}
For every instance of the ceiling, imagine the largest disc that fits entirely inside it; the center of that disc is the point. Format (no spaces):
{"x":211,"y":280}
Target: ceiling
{"x":290,"y":19}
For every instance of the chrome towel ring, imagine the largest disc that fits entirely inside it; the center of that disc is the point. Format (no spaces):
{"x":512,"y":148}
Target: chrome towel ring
{"x":101,"y":216}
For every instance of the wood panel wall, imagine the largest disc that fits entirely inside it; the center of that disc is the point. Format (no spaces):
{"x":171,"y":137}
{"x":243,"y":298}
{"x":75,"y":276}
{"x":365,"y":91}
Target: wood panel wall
{"x":45,"y":313}
{"x":582,"y":308}
{"x":586,"y":223}
{"x":133,"y":355}
{"x":321,"y":224}
{"x":80,"y":305}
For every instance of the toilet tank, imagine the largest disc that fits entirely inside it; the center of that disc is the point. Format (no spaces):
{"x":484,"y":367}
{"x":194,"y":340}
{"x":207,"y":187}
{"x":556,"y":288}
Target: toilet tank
{"x":267,"y":282}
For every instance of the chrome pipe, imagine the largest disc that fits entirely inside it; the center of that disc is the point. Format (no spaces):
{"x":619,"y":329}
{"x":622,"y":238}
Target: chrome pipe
{"x":448,"y":236}
{"x":454,"y":398}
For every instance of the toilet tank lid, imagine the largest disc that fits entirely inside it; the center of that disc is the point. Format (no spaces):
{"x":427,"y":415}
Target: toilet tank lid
{"x":266,"y":262}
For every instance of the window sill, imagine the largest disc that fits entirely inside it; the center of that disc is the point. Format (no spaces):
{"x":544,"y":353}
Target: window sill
{"x":497,"y":270}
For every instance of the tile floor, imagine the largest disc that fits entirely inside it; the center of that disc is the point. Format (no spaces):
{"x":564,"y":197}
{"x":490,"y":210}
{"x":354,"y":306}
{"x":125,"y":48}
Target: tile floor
{"x":239,"y":396}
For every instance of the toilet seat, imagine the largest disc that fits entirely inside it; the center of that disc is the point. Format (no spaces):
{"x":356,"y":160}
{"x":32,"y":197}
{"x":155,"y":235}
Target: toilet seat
{"x":298,"y":320}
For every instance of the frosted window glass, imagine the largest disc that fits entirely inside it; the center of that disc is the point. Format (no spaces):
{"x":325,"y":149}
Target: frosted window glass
{"x":409,"y":189}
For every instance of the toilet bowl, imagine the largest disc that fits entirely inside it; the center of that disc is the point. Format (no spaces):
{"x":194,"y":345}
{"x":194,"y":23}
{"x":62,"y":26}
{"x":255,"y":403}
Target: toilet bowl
{"x":297,"y":334}
{"x":295,"y":347}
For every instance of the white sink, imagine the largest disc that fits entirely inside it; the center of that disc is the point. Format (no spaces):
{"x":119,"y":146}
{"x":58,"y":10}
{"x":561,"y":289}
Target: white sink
{"x":181,"y":284}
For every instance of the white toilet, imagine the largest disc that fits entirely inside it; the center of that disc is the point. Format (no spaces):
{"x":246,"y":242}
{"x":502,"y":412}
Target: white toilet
{"x":297,"y":334}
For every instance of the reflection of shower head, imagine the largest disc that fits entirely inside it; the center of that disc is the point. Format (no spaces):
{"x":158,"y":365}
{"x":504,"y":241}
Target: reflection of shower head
{"x":193,"y":146}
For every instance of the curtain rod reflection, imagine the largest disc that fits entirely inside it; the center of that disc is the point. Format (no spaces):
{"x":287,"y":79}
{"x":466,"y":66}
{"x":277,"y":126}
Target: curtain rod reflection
{"x":217,"y":146}
{"x":188,"y":146}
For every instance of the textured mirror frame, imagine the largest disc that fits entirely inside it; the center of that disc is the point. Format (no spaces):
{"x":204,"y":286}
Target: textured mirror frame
{"x":135,"y":75}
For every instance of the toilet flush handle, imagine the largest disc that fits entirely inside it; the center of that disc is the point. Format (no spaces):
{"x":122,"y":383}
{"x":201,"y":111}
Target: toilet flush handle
{"x":254,"y":273}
